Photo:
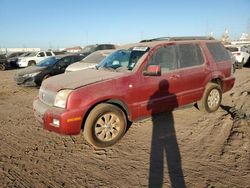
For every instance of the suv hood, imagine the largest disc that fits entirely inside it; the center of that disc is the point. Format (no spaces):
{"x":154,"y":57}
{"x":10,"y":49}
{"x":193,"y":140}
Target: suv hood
{"x":28,"y":70}
{"x":73,"y":80}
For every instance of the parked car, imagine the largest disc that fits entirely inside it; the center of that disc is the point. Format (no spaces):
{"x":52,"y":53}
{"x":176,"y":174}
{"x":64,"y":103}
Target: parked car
{"x":34,"y":58}
{"x":133,"y":83}
{"x":3,"y":62}
{"x":90,"y":61}
{"x":92,"y":48}
{"x":241,"y":55}
{"x":12,"y":58}
{"x":34,"y":75}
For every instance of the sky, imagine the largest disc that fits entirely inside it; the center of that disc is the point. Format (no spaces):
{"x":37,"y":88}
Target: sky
{"x":67,"y":23}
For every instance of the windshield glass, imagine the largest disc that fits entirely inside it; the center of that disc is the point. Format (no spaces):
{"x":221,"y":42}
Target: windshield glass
{"x":32,"y":54}
{"x":123,"y":59}
{"x":47,"y":62}
{"x":25,"y":54}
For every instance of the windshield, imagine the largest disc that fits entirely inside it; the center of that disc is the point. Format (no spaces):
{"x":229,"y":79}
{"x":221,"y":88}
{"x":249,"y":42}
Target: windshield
{"x":25,"y":54}
{"x":47,"y":62}
{"x":32,"y":54}
{"x":123,"y":59}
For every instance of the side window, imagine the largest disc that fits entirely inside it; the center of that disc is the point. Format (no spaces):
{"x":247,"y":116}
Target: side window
{"x":48,"y":53}
{"x":77,"y":58}
{"x":165,"y":57}
{"x":108,"y":46}
{"x":100,"y":47}
{"x":218,"y":52}
{"x":41,"y":54}
{"x":190,"y":55}
{"x":65,"y":61}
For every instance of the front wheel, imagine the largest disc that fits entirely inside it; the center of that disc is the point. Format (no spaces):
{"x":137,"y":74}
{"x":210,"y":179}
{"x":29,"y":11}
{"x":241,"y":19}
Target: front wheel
{"x":105,"y":125}
{"x":211,"y":98}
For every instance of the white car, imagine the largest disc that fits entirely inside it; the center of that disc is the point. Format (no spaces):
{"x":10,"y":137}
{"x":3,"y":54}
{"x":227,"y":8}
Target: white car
{"x":240,"y":53}
{"x":90,"y":61}
{"x":34,"y":58}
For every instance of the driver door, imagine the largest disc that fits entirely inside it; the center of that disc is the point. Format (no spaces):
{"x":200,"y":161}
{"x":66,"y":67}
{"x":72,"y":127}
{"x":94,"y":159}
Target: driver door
{"x":161,"y":92}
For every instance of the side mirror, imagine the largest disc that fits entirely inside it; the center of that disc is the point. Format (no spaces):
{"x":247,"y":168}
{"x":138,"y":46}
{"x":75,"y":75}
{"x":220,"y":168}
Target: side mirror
{"x":153,"y":70}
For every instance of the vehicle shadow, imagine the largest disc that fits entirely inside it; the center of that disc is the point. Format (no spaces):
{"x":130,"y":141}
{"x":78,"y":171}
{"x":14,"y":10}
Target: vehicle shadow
{"x":164,"y":145}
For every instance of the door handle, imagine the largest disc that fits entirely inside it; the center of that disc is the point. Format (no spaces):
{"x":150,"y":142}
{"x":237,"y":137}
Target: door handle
{"x":174,"y":77}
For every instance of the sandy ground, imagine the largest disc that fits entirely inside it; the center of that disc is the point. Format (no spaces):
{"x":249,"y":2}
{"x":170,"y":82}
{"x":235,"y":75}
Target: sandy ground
{"x":183,"y":148}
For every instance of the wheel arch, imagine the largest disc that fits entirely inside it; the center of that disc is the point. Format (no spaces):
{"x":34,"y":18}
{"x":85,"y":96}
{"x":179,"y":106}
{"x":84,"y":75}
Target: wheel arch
{"x":218,"y":81}
{"x":115,"y":102}
{"x":31,"y":61}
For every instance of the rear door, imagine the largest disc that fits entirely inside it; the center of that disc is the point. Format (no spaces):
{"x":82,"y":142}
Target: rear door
{"x":193,"y":71}
{"x":221,"y":58}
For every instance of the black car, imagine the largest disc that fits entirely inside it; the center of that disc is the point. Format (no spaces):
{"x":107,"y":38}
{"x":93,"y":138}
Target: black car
{"x":13,"y":57}
{"x":3,"y":62}
{"x":34,"y":75}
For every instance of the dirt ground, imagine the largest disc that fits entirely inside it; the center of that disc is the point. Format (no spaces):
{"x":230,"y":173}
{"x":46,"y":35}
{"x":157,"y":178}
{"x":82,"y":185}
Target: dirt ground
{"x":178,"y":149}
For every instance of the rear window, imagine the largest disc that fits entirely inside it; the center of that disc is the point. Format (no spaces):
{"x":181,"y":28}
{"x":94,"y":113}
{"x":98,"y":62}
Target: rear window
{"x":190,"y":55}
{"x":48,"y":53}
{"x":232,"y":49}
{"x":105,"y":47}
{"x":218,"y":52}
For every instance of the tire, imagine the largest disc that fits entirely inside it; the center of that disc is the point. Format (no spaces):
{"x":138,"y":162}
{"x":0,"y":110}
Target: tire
{"x":211,"y":99}
{"x":42,"y":79}
{"x":45,"y":77}
{"x":31,"y":63}
{"x":2,"y":67}
{"x":105,"y":125}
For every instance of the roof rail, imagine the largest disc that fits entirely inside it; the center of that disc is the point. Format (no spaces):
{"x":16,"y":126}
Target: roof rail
{"x":178,"y":38}
{"x":191,"y":38}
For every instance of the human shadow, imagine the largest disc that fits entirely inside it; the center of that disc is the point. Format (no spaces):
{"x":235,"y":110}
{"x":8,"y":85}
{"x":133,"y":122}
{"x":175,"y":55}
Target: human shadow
{"x":164,"y":141}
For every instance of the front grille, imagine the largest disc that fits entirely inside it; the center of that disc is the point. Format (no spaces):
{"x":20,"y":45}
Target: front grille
{"x":47,"y":96}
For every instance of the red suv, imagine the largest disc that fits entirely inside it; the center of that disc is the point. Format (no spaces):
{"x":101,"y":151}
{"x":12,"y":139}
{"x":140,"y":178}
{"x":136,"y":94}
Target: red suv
{"x":133,"y":83}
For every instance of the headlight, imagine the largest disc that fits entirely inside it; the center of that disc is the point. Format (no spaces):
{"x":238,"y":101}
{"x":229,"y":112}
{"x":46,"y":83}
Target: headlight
{"x":31,"y":74}
{"x":61,"y":98}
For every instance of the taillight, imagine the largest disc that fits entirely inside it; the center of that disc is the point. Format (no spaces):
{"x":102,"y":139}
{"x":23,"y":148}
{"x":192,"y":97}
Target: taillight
{"x":232,"y":70}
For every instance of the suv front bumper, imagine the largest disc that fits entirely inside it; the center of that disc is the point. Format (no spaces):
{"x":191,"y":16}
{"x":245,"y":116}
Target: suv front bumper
{"x":58,"y":120}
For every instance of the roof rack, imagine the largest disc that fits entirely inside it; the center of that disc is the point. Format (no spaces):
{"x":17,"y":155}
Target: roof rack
{"x":178,"y":38}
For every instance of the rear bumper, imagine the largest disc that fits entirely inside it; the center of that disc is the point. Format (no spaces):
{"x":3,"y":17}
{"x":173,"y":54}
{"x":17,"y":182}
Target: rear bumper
{"x":22,"y":64}
{"x":69,"y":121}
{"x":228,"y":84}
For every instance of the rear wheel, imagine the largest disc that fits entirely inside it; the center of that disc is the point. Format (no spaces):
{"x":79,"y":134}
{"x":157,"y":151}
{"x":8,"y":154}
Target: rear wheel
{"x":105,"y":125}
{"x":2,"y":67}
{"x":211,"y":98}
{"x":31,"y":63}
